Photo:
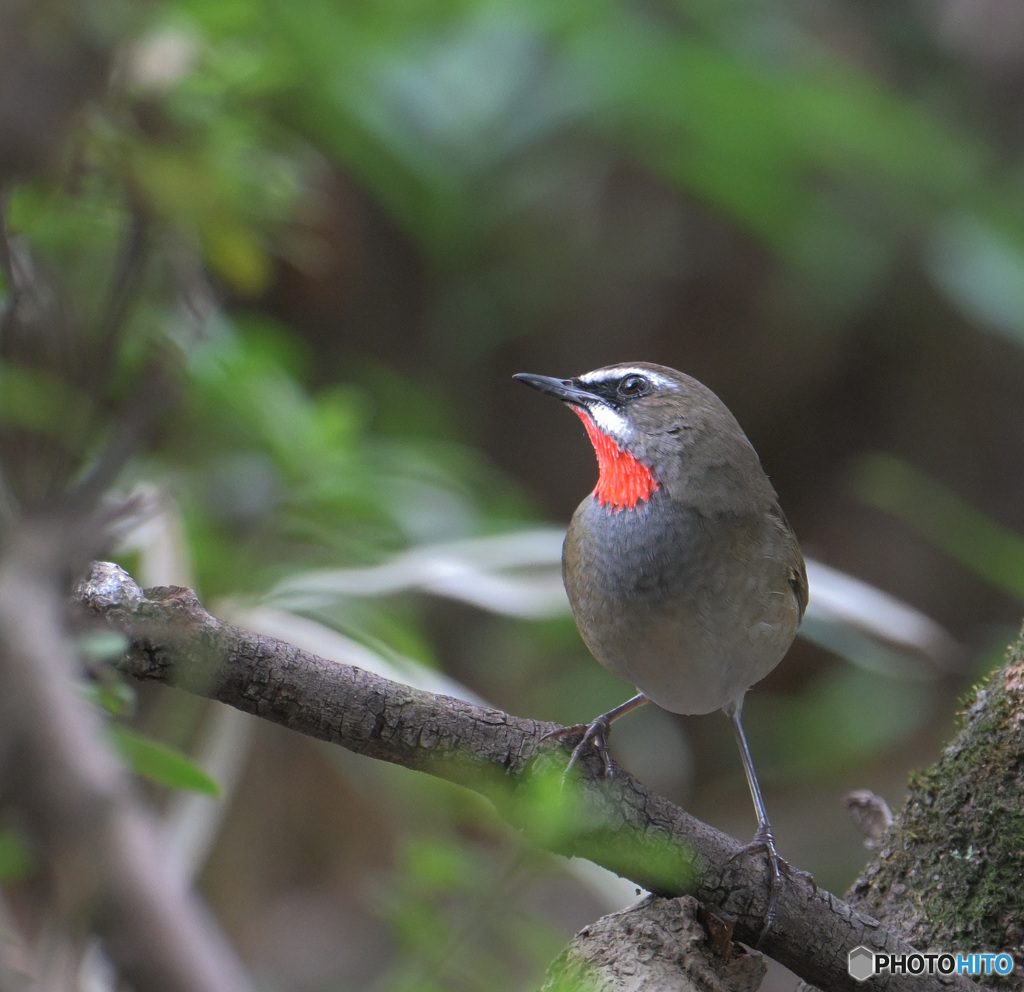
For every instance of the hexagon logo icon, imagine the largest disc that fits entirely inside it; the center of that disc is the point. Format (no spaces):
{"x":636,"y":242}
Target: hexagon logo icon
{"x":861,"y":963}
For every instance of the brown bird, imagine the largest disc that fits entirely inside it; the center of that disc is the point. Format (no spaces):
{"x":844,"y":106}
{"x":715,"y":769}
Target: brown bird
{"x":683,"y":573}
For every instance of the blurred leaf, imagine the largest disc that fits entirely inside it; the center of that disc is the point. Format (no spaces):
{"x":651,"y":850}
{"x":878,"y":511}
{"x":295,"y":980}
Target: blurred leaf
{"x":16,"y":861}
{"x":981,"y":269}
{"x":45,"y":402}
{"x":101,"y":645}
{"x":113,"y":696}
{"x":550,"y":803}
{"x":238,"y":256}
{"x":947,"y":520}
{"x":438,"y":865}
{"x":162,"y":764}
{"x":59,"y":224}
{"x":844,"y":715}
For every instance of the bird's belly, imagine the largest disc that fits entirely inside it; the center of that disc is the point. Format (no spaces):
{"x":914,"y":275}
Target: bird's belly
{"x":691,"y":611}
{"x":686,"y":667}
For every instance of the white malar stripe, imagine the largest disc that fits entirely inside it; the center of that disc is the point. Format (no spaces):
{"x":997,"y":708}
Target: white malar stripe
{"x":610,"y":422}
{"x":616,"y":372}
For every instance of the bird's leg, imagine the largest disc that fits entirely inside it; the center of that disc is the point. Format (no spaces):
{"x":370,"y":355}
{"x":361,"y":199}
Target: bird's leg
{"x":596,"y":733}
{"x":763,"y":840}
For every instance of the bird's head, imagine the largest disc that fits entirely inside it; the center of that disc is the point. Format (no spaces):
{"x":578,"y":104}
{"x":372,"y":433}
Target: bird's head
{"x":654,"y":427}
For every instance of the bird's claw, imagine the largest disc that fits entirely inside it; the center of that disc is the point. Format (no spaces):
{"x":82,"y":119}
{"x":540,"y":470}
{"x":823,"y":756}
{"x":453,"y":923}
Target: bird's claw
{"x":764,"y":843}
{"x":595,"y":734}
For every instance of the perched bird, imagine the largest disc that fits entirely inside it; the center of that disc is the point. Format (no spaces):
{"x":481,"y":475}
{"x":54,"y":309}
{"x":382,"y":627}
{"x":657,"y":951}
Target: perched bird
{"x":684,"y":575}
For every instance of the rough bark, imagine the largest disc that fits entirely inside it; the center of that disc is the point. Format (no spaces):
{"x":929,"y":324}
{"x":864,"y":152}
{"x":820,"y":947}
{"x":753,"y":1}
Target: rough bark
{"x":660,"y":944}
{"x":949,"y":872}
{"x":619,"y":823}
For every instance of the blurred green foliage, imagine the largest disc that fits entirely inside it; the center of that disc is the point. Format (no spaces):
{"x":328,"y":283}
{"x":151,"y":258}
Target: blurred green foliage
{"x":858,"y":714}
{"x":16,"y":859}
{"x":481,"y":129}
{"x":146,"y":757}
{"x":272,"y":477}
{"x":161,"y":764}
{"x":472,"y":122}
{"x":947,"y":520}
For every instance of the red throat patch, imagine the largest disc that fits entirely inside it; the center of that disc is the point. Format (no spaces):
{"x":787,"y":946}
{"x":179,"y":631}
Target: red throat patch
{"x":622,"y":481}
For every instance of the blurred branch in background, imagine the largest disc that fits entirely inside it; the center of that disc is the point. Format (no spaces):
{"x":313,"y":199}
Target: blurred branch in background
{"x":70,"y":422}
{"x":76,"y":803}
{"x":54,"y":59}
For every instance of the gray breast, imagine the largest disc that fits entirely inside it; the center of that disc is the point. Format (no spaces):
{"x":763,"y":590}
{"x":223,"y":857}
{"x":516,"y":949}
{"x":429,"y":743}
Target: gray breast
{"x":690,"y":608}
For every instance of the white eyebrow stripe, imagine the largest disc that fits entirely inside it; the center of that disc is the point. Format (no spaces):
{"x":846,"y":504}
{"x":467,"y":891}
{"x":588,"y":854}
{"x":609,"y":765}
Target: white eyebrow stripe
{"x":618,"y":371}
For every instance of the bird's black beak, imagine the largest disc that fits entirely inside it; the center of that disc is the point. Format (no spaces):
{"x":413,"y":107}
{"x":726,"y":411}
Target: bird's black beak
{"x":567,"y":390}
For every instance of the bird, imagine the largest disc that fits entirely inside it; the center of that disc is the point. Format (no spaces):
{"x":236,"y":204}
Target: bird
{"x":682,"y":571}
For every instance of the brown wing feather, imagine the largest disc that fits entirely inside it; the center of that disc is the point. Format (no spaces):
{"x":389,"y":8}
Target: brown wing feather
{"x":798,"y":583}
{"x":797,"y":569}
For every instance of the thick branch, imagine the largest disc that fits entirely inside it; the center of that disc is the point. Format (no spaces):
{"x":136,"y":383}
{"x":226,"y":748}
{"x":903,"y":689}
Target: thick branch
{"x":657,"y":944}
{"x":947,"y":872}
{"x":619,"y":824}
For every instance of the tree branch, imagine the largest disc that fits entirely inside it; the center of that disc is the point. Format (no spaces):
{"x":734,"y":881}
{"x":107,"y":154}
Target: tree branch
{"x":619,"y":824}
{"x":947,"y":871}
{"x":657,"y":944}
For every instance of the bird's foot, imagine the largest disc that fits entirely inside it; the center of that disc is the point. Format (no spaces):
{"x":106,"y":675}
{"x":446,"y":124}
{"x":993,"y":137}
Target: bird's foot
{"x":764,"y":843}
{"x":595,"y":734}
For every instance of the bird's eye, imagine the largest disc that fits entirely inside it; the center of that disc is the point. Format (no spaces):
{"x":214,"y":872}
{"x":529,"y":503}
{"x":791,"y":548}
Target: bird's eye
{"x":633,"y":385}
